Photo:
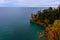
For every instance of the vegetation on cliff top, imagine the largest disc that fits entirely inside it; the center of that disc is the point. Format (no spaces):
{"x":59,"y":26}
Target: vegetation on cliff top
{"x":50,"y":14}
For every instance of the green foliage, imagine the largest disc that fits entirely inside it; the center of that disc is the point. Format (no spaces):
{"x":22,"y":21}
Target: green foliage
{"x":50,"y":14}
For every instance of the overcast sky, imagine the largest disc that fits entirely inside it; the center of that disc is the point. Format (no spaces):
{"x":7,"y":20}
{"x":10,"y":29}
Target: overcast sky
{"x":29,"y":3}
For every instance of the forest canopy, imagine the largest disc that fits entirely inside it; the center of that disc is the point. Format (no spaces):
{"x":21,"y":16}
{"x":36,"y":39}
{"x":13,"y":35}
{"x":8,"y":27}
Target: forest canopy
{"x":51,"y":14}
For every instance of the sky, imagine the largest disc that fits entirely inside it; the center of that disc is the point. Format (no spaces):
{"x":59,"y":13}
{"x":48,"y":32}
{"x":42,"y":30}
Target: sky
{"x":29,"y":3}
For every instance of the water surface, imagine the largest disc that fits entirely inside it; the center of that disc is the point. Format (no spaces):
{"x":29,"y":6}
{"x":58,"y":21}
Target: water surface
{"x":15,"y":25}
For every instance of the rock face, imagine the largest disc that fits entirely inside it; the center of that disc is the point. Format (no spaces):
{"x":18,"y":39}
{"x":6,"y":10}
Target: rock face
{"x":34,"y":19}
{"x":56,"y":23}
{"x":52,"y":33}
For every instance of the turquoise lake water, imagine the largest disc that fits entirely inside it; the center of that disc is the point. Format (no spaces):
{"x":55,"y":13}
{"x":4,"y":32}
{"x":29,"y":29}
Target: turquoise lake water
{"x":15,"y":25}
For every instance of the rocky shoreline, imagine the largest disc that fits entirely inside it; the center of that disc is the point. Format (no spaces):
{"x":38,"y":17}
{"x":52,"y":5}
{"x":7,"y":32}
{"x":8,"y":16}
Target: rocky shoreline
{"x":50,"y":20}
{"x":52,"y":32}
{"x":39,"y":23}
